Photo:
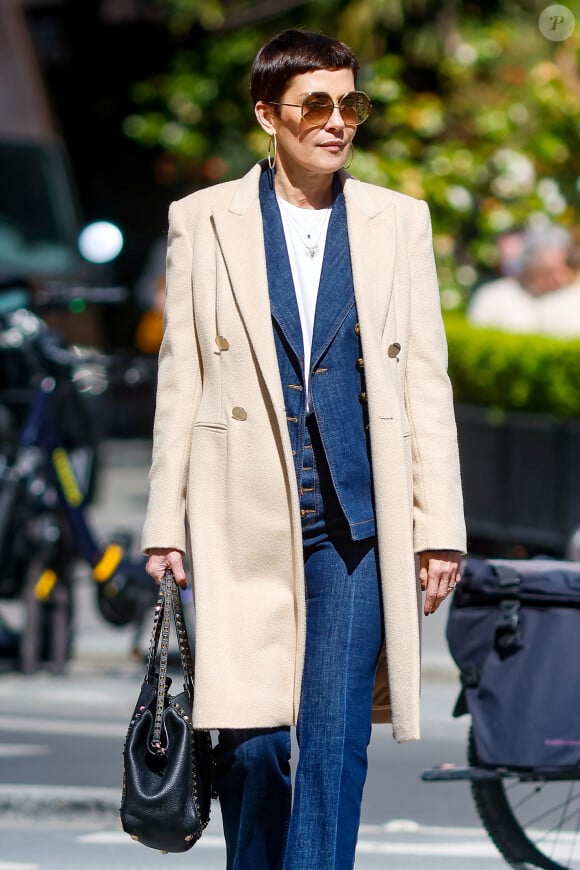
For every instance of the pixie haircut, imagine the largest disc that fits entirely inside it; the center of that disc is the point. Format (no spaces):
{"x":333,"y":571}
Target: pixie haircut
{"x":291,"y":53}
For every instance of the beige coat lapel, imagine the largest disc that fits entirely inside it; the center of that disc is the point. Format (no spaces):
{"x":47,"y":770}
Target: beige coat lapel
{"x":372,"y":234}
{"x":371,"y":231}
{"x":240,"y":235}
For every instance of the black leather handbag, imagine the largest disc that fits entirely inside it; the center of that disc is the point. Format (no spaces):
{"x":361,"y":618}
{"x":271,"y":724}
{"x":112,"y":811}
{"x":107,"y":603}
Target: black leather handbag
{"x":167,"y":784}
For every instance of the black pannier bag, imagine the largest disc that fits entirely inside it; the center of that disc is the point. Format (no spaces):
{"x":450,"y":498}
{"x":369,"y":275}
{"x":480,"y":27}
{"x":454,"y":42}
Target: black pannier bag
{"x":514,"y":632}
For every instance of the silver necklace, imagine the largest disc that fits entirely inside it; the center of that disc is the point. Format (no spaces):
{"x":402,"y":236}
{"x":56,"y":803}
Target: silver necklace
{"x":311,"y":249}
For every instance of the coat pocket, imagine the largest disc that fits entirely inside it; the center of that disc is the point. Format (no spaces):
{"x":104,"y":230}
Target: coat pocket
{"x":210,"y":426}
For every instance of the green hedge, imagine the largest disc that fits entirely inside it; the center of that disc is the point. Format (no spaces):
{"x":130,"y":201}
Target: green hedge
{"x":513,"y":372}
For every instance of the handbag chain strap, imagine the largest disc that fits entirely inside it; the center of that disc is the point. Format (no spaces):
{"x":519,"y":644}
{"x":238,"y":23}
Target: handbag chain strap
{"x":168,"y":603}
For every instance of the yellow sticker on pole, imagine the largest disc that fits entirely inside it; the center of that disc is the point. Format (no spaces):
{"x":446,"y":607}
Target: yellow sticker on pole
{"x":66,"y":477}
{"x":108,"y":563}
{"x":45,"y":584}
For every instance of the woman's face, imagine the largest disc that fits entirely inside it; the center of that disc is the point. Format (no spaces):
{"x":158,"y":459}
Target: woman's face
{"x":304,"y":149}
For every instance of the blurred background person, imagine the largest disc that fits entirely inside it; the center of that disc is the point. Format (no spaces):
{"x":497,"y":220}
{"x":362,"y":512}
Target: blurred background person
{"x":510,"y":247}
{"x":511,"y":303}
{"x":559,"y":311}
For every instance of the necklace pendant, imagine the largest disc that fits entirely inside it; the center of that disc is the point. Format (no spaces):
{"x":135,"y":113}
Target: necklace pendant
{"x":311,"y":251}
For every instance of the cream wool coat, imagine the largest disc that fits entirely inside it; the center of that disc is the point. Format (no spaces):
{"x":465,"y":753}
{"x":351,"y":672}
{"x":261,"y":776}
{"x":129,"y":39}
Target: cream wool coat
{"x":222,"y":481}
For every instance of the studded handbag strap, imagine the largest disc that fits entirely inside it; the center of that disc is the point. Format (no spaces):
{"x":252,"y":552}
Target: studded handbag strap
{"x":155,"y":636}
{"x":169,"y":603}
{"x":182,"y":638}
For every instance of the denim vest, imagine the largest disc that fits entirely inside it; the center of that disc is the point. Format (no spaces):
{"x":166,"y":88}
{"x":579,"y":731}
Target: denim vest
{"x":337,"y":388}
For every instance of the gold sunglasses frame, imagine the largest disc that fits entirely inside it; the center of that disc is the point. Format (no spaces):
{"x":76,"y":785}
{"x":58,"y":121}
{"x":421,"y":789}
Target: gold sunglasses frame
{"x":331,"y":107}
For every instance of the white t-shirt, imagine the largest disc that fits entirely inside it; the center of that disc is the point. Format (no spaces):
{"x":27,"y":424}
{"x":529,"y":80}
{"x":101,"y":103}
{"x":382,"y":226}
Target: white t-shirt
{"x":305,"y":231}
{"x":504,"y":304}
{"x":559,"y":312}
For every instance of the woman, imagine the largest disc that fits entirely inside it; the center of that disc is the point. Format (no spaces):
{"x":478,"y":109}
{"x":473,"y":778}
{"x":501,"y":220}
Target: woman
{"x":305,"y":429}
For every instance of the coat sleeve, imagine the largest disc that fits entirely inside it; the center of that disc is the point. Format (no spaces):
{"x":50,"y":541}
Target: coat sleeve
{"x":178,"y":392}
{"x":437,"y":496}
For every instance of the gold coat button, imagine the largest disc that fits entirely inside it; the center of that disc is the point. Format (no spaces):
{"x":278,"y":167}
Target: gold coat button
{"x":239,"y":414}
{"x":357,"y":328}
{"x":222,"y":343}
{"x":360,"y":363}
{"x":394,"y":349}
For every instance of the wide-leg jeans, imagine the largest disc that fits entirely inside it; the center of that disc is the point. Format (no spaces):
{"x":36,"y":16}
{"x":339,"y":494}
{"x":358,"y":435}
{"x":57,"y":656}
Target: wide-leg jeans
{"x":264,"y":829}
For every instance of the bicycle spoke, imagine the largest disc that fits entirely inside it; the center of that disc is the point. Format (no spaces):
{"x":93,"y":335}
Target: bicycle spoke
{"x":573,"y":849}
{"x":561,"y":835}
{"x":546,"y":812}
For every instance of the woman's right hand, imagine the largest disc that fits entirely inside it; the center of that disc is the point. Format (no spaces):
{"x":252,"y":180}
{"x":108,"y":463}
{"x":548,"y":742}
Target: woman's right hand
{"x":160,"y":559}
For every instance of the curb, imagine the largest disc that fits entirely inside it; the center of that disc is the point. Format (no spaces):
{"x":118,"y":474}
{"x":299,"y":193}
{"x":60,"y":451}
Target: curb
{"x":59,"y":801}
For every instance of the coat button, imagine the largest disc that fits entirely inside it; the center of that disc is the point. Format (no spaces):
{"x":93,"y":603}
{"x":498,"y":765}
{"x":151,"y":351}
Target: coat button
{"x":239,"y":414}
{"x":222,"y":343}
{"x":357,"y":328}
{"x":394,"y":349}
{"x":360,"y":363}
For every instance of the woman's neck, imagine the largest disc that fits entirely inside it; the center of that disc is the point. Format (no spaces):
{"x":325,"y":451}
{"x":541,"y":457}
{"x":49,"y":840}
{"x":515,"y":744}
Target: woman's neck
{"x":314,"y":192}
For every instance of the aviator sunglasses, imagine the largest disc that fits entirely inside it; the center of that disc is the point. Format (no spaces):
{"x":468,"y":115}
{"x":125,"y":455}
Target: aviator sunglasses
{"x":317,"y":108}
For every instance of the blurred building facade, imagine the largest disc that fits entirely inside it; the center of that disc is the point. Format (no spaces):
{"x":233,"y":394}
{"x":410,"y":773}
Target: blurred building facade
{"x":67,"y":67}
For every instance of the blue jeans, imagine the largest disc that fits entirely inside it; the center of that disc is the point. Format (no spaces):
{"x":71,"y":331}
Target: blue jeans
{"x":343,"y":640}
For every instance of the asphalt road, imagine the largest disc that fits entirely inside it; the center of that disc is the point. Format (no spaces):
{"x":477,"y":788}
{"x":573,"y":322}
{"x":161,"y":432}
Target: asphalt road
{"x":92,"y":848}
{"x":61,"y":740}
{"x":60,"y":759}
{"x":68,"y":731}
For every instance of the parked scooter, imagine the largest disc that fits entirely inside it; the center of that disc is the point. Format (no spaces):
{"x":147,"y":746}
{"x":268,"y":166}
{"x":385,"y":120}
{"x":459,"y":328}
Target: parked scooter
{"x":48,"y":466}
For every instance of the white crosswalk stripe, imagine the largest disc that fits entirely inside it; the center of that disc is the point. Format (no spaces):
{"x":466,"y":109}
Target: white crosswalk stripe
{"x":80,"y":727}
{"x":439,"y":850}
{"x":116,"y":838}
{"x":399,"y":837}
{"x":16,"y":750}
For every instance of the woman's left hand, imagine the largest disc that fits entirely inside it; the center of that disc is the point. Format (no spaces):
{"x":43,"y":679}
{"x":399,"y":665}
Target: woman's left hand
{"x":439,"y":572}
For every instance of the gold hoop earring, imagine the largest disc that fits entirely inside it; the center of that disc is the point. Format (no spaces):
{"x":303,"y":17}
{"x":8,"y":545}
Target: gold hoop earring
{"x":349,"y":161}
{"x":272,"y":156}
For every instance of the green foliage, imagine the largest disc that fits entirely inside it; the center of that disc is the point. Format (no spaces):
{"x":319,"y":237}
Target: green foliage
{"x":473,"y":109}
{"x":513,"y":372}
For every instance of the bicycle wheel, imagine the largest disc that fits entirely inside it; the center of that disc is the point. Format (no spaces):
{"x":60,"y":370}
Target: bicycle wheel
{"x":533,"y":823}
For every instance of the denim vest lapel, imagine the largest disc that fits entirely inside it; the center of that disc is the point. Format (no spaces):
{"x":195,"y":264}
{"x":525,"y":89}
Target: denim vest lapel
{"x":335,"y":291}
{"x":280,"y":282}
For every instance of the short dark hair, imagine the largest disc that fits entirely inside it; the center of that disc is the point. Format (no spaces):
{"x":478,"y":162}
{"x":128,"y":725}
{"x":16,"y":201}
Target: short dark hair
{"x":291,"y":53}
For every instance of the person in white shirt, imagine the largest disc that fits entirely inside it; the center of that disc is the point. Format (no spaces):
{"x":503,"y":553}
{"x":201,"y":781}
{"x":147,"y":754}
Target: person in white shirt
{"x":559,"y":311}
{"x":519,"y":304}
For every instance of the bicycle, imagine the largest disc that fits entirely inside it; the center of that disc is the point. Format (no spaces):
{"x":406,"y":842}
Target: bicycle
{"x":530,"y":807}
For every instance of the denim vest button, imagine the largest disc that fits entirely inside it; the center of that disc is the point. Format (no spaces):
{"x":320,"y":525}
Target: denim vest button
{"x":362,"y":397}
{"x":357,"y":328}
{"x":360,"y":363}
{"x":394,"y":349}
{"x":239,"y":414}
